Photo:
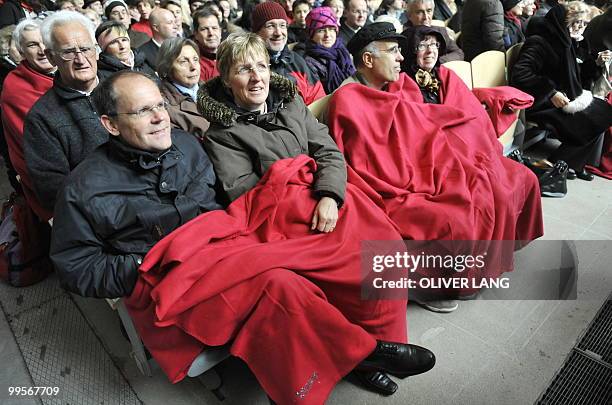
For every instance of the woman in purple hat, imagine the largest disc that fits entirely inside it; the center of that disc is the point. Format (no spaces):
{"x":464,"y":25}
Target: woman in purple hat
{"x":325,"y":54}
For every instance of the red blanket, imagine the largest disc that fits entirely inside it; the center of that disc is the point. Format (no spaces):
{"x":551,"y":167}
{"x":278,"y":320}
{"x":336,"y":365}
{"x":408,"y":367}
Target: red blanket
{"x":287,"y":297}
{"x":437,"y":169}
{"x":605,"y":166}
{"x":502,"y":103}
{"x":310,"y":92}
{"x":22,"y":88}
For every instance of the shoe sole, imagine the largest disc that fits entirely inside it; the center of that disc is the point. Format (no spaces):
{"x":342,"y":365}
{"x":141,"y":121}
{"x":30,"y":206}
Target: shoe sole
{"x":437,"y":309}
{"x":396,"y":374}
{"x":553,"y":194}
{"x":368,"y":385}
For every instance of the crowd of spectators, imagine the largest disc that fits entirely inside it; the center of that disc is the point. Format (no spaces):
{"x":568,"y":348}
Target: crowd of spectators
{"x":125,"y":120}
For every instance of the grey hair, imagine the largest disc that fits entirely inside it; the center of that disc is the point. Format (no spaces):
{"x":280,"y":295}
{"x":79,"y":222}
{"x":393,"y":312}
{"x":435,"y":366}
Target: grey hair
{"x":25,"y":25}
{"x":62,"y":18}
{"x":170,"y":49}
{"x":408,"y":4}
{"x":372,"y":48}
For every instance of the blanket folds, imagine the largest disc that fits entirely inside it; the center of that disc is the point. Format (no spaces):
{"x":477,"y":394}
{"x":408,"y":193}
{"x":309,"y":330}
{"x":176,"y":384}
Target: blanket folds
{"x":288,"y":298}
{"x":438,"y":170}
{"x":502,"y":103}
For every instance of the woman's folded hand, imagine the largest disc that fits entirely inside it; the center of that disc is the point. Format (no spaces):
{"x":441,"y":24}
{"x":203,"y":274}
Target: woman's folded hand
{"x":325,"y":215}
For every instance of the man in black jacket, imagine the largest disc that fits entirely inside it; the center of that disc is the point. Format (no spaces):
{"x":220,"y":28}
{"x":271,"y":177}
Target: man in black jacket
{"x":62,"y":127}
{"x":145,"y":182}
{"x":163,"y":27}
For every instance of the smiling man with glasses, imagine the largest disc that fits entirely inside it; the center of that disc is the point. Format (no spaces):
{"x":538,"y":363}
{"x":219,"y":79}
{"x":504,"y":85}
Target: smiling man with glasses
{"x":377,"y":54}
{"x":146,"y":181}
{"x":420,"y":12}
{"x":270,"y":22}
{"x":62,"y":127}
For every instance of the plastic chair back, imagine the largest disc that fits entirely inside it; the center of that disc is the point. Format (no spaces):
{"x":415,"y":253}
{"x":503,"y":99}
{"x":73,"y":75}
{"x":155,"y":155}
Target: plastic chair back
{"x":489,"y":69}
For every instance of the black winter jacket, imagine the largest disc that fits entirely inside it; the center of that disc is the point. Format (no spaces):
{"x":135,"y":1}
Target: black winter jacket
{"x":287,"y":61}
{"x":107,"y":65}
{"x":118,"y":203}
{"x":60,"y":130}
{"x":150,"y":51}
{"x":11,"y":13}
{"x":482,"y":27}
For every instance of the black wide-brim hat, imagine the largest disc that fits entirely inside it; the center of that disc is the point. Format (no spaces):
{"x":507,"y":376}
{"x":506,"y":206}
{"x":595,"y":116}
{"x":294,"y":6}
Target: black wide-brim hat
{"x":380,"y":31}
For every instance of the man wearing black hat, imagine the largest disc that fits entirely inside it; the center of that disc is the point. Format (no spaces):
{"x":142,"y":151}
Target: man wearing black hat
{"x":117,"y":10}
{"x":376,"y":51}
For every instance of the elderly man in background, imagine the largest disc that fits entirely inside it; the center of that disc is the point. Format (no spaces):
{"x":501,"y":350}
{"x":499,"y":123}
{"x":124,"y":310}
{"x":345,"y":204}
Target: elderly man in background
{"x":270,"y":21}
{"x":62,"y":127}
{"x":163,"y":27}
{"x":482,"y":27}
{"x":355,"y":17}
{"x":117,"y":10}
{"x":420,"y":12}
{"x":207,"y":34}
{"x":22,"y":88}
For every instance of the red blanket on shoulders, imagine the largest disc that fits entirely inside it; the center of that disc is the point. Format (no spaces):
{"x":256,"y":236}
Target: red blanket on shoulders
{"x":502,"y":103}
{"x":202,"y":286}
{"x":22,"y":88}
{"x":437,"y":169}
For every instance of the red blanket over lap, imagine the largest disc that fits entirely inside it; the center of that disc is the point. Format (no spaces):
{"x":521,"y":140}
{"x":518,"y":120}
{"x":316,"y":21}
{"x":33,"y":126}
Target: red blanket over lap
{"x":438,"y":169}
{"x":502,"y":102}
{"x":182,"y":300}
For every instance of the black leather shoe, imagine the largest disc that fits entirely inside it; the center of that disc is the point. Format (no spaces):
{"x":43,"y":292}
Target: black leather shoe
{"x":376,"y":381}
{"x":584,"y":175}
{"x":398,"y":359}
{"x":571,"y":174}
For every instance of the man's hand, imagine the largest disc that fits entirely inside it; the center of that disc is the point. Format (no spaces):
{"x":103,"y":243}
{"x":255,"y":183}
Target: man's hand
{"x":559,"y":100}
{"x":325,"y":215}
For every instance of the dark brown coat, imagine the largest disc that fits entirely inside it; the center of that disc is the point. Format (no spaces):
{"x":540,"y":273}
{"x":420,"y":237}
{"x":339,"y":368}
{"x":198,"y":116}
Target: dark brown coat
{"x":183,"y":111}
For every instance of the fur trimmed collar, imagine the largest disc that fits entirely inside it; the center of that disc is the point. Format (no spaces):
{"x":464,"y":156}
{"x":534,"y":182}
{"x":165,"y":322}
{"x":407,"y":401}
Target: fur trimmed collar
{"x":213,"y":102}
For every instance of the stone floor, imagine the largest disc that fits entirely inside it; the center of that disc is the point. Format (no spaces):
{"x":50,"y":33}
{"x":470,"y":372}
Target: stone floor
{"x":502,"y":352}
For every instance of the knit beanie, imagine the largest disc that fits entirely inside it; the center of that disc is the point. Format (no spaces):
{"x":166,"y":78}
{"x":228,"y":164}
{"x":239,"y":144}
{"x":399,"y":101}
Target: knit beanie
{"x":87,"y":3}
{"x":111,"y":4}
{"x":265,"y":12}
{"x":320,"y":17}
{"x":509,"y":4}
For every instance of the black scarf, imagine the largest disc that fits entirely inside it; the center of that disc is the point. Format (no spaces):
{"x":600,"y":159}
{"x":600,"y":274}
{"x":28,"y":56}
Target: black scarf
{"x":557,"y":34}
